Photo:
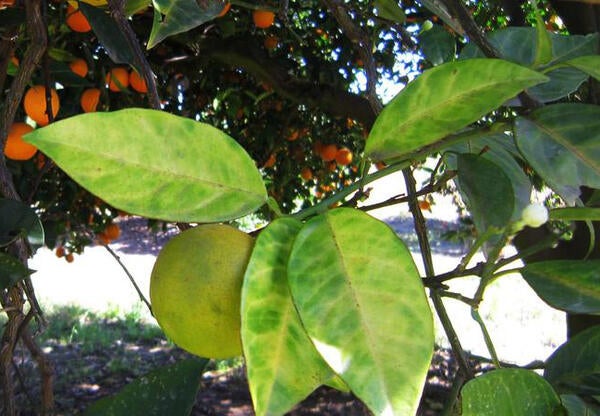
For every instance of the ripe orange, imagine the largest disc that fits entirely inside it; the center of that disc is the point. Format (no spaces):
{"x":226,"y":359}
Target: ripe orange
{"x":294,"y":134}
{"x":328,"y":152}
{"x":6,"y":3}
{"x":263,"y":18}
{"x":344,"y":156}
{"x":112,"y":231}
{"x":117,"y":79}
{"x":137,"y":82}
{"x":16,"y":148}
{"x":89,"y":100}
{"x":306,"y":173}
{"x":34,"y":104}
{"x":271,"y":42}
{"x":270,"y":161}
{"x":79,"y":66}
{"x":103,"y":238}
{"x":69,"y":258}
{"x":425,"y":205}
{"x":224,"y":10}
{"x":60,"y":251}
{"x":77,"y":21}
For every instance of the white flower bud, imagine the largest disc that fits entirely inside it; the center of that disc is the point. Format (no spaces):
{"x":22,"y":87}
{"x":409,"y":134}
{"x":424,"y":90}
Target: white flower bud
{"x":534,"y":215}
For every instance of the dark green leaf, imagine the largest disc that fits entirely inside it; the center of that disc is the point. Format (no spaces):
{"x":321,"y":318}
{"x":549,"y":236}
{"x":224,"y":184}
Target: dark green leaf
{"x":16,"y":219}
{"x":514,"y":392}
{"x":156,"y":164}
{"x":113,"y":40}
{"x":180,"y":16}
{"x":11,"y":271}
{"x":389,"y":9}
{"x":562,"y":143}
{"x":575,"y":365}
{"x":444,"y":100}
{"x":568,"y":285}
{"x":437,"y":45}
{"x":514,"y":44}
{"x":169,"y":390}
{"x":576,"y":406}
{"x":283,"y":365}
{"x":589,"y":64}
{"x":499,"y":149}
{"x":486,"y":190}
{"x":362,"y":302}
{"x":575,"y":214}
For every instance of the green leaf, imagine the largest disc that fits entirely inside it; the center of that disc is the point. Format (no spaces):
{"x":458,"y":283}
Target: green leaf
{"x":486,"y":190}
{"x":543,"y":44}
{"x":443,"y":100}
{"x":180,"y":16}
{"x":389,"y":9}
{"x":562,"y":143}
{"x":575,"y":214}
{"x":575,"y":365}
{"x":514,"y":44}
{"x":11,"y":271}
{"x":112,"y":39}
{"x":437,"y":45}
{"x":499,"y":149}
{"x":511,"y":392}
{"x":134,"y":6}
{"x":169,"y":390}
{"x":155,"y":164}
{"x":16,"y":219}
{"x":282,"y":363}
{"x":589,"y":64}
{"x":569,"y":285}
{"x":578,"y":407}
{"x":362,"y":302}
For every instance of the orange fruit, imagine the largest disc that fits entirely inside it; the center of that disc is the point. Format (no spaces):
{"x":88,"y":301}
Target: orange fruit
{"x":263,"y":18}
{"x":77,"y":21}
{"x":270,"y":161}
{"x":306,"y":173}
{"x":69,"y":258}
{"x":14,"y":60}
{"x":425,"y":205}
{"x":6,"y":3}
{"x":224,"y":10}
{"x":294,"y":134}
{"x":16,"y":148}
{"x":79,"y":66}
{"x":343,"y":156}
{"x":271,"y":42}
{"x":117,"y":79}
{"x":137,"y":82}
{"x":328,"y":152}
{"x":112,"y":231}
{"x":380,"y":165}
{"x":35,"y":106}
{"x":60,"y":251}
{"x":89,"y":100}
{"x":103,"y":238}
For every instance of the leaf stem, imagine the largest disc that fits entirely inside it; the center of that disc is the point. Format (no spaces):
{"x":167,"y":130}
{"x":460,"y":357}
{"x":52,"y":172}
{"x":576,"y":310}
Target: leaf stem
{"x":131,"y":279}
{"x":486,"y":336}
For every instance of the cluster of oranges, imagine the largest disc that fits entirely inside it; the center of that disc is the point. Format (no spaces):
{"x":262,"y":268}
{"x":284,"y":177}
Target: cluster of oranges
{"x":110,"y":233}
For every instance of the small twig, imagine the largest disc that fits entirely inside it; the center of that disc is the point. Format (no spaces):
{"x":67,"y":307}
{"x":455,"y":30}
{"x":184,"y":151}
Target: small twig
{"x":421,"y":230}
{"x":118,"y":15}
{"x":363,"y":46}
{"x":131,"y":279}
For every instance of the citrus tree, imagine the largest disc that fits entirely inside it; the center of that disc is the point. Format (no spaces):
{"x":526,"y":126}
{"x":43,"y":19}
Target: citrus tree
{"x":207,"y":112}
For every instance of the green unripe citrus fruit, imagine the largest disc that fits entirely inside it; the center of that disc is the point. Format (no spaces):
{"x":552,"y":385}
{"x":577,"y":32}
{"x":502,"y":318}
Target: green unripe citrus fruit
{"x":195,"y":289}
